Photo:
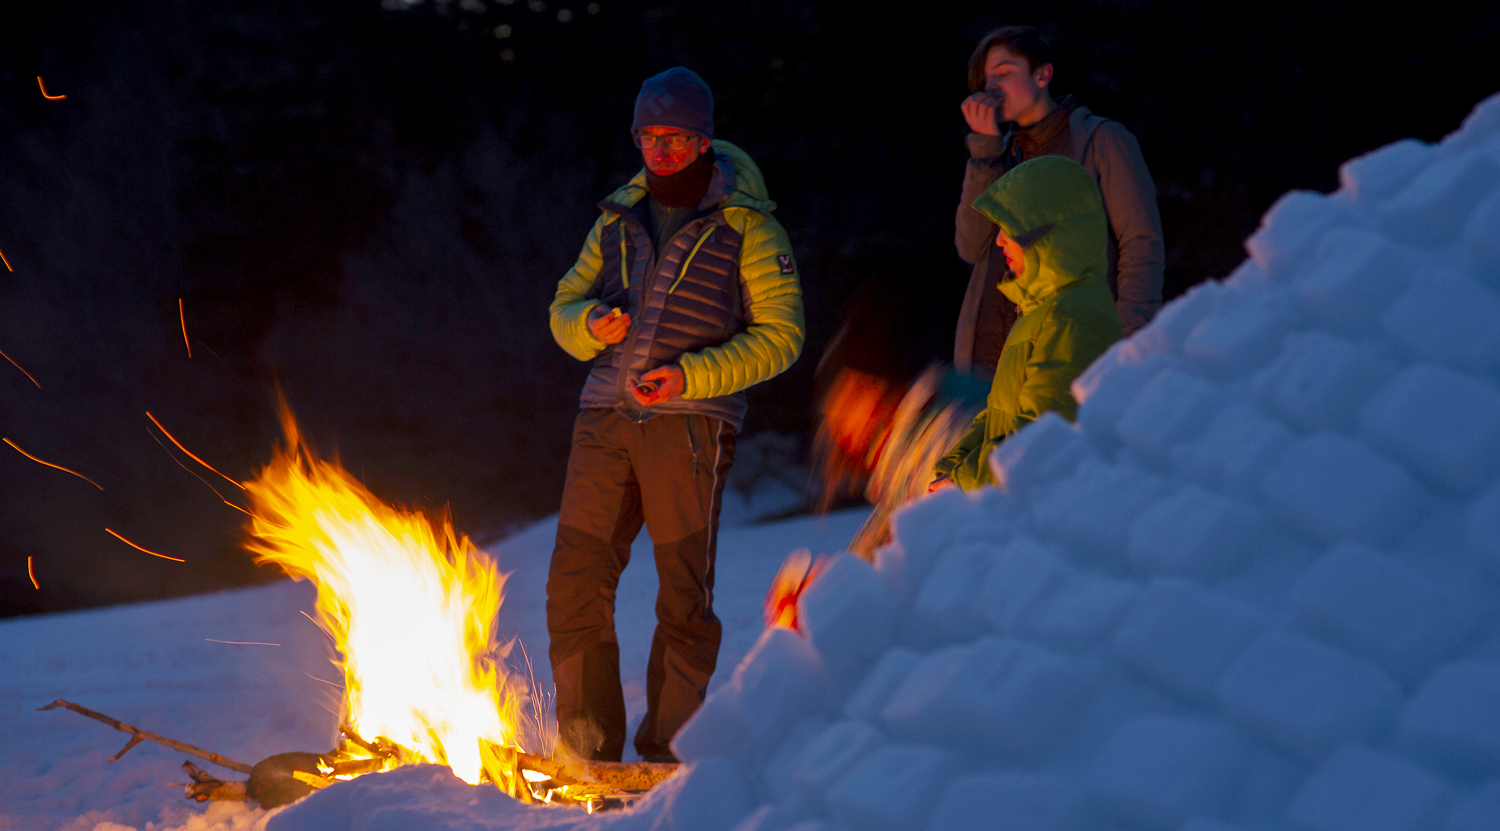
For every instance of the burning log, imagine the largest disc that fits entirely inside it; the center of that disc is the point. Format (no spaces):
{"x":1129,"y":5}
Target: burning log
{"x":286,"y":777}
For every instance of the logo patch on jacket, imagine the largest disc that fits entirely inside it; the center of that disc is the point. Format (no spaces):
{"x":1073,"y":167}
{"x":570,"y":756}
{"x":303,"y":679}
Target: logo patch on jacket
{"x":787,"y":266}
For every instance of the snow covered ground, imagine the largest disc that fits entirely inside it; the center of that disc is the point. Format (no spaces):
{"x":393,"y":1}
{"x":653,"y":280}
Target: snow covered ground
{"x":1256,"y":586}
{"x":150,"y":665}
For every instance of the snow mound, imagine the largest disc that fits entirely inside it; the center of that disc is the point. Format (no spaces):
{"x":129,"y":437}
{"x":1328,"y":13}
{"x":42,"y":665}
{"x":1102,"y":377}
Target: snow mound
{"x":1255,"y":586}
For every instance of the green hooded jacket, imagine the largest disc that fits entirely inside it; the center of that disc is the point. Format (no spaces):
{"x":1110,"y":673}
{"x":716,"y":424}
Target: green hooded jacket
{"x":1052,"y":205}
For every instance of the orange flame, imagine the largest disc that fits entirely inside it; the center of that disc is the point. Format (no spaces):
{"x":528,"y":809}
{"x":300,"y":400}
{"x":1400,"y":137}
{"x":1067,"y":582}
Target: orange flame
{"x":411,"y":607}
{"x":797,"y":572}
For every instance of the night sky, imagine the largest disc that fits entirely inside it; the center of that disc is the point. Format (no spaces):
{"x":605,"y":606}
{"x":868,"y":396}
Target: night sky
{"x":367,"y":205}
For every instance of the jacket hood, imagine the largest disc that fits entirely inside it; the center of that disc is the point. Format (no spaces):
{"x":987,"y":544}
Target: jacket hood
{"x":1056,"y":198}
{"x":737,"y":183}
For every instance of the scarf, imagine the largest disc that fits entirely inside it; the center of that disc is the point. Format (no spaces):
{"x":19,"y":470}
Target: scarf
{"x":686,"y":187}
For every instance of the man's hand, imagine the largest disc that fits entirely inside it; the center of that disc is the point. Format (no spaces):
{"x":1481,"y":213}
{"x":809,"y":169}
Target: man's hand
{"x":939,"y":483}
{"x":608,"y":324}
{"x":982,"y":111}
{"x":661,"y":384}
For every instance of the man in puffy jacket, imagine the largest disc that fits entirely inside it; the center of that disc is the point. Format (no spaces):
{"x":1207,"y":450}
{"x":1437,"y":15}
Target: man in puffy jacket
{"x":1013,"y":117}
{"x":1051,"y":234}
{"x":685,"y":294}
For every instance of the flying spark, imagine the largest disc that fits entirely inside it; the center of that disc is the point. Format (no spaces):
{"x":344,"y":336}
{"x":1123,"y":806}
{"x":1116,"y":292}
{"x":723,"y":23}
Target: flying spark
{"x":31,"y":572}
{"x":182,"y":315}
{"x":147,"y":550}
{"x":189,"y":452}
{"x":22,"y":368}
{"x":7,"y":263}
{"x":242,"y":643}
{"x":44,"y":91}
{"x":49,"y":464}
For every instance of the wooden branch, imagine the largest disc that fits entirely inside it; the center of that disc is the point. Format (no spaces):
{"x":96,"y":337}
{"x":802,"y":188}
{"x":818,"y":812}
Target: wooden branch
{"x":138,"y":734}
{"x":205,"y":787}
{"x":619,"y":776}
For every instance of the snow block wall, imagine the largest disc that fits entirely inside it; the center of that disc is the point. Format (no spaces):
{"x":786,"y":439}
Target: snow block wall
{"x":1256,"y":586}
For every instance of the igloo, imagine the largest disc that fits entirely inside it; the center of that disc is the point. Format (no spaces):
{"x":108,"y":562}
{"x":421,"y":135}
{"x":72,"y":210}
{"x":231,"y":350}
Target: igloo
{"x":1253,"y":587}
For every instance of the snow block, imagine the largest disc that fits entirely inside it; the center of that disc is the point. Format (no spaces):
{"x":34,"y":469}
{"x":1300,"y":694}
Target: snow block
{"x":849,"y":617}
{"x":1359,"y":789}
{"x":923,"y":530}
{"x":1482,"y":527}
{"x":1294,"y":222}
{"x":1451,"y":723}
{"x":1170,"y":410}
{"x":1009,"y":801}
{"x":1235,"y":449}
{"x":1182,"y":636}
{"x":780,"y":681}
{"x":1044,"y":451}
{"x":1443,"y":425}
{"x":1333,"y":488}
{"x":1357,"y":276}
{"x":1202,"y":824}
{"x":1380,"y":173}
{"x":1480,"y":126}
{"x":1482,"y":235}
{"x":1108,"y":386}
{"x":1432,"y":209}
{"x":1479,"y":811}
{"x":1093,"y":510}
{"x":709,"y":795}
{"x":1159,"y":771}
{"x":834,"y":753}
{"x":995,"y":697}
{"x":882,"y":681}
{"x":778,"y":776}
{"x":1245,"y":335}
{"x":1172,"y":324}
{"x":1448,"y":318}
{"x":1194,"y":532}
{"x":892,"y":789}
{"x":1380,"y":609}
{"x":1319,"y":381}
{"x":1078,"y":612}
{"x":1007,"y":586}
{"x":1305,"y":696}
{"x":946,"y":603}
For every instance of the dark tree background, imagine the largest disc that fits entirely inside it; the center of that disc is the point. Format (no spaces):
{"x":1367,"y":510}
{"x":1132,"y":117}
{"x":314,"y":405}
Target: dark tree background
{"x":370,"y":204}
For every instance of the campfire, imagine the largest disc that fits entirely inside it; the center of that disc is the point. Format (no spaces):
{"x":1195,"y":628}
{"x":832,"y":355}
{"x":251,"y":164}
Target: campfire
{"x":411,"y":607}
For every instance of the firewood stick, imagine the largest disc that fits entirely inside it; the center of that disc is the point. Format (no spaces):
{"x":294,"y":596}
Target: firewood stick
{"x":622,"y":776}
{"x":138,"y":734}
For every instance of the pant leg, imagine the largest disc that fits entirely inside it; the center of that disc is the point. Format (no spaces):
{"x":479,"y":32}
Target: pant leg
{"x":599,"y":518}
{"x":683,"y":467}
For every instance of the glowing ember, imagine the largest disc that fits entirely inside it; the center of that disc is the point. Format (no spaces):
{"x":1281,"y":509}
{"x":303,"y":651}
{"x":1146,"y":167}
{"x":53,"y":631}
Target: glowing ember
{"x":410,"y":606}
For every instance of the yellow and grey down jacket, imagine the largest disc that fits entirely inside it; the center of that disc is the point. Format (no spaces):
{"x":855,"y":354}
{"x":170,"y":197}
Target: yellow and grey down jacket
{"x":722,"y":298}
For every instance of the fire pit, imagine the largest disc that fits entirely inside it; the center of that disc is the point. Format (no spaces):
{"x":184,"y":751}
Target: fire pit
{"x":411,"y":608}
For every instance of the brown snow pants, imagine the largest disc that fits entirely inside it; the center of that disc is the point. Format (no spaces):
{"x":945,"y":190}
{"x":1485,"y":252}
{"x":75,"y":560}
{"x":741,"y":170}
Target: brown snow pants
{"x":668,"y":472}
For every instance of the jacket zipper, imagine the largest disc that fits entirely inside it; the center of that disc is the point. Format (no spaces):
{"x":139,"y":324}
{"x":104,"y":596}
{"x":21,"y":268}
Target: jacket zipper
{"x":640,"y":323}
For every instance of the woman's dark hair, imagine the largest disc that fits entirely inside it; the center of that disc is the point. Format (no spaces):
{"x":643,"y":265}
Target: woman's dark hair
{"x":1025,"y":41}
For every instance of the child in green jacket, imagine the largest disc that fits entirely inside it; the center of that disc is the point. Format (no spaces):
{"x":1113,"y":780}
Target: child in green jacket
{"x":1052,"y":233}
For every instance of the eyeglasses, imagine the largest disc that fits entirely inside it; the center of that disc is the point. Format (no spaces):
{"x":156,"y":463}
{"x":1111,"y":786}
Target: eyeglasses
{"x":676,"y":142}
